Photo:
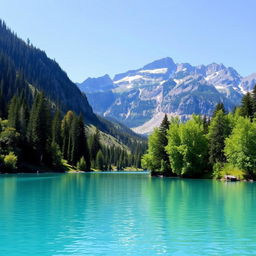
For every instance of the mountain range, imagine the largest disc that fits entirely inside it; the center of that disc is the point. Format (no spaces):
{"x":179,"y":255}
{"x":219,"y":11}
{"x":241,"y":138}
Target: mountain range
{"x":139,"y":98}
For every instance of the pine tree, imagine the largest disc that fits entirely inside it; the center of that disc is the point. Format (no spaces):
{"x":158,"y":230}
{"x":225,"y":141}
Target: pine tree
{"x":74,"y":140}
{"x":23,"y":117}
{"x":95,"y":145}
{"x":100,"y":160}
{"x":163,"y":129}
{"x":219,"y":106}
{"x":218,"y":132}
{"x":13,"y":112}
{"x":83,"y":143}
{"x":56,"y":128}
{"x":164,"y":125}
{"x":156,"y":153}
{"x":18,"y":114}
{"x":65,"y":133}
{"x":253,"y":97}
{"x":81,"y":165}
{"x":247,"y":106}
{"x":73,"y":155}
{"x":38,"y":128}
{"x":2,"y":101}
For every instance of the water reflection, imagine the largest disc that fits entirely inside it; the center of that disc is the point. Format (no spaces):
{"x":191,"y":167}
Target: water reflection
{"x":129,"y":214}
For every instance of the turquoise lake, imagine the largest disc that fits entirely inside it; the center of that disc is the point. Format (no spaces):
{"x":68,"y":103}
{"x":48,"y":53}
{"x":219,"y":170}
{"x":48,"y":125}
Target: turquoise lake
{"x":125,"y":214}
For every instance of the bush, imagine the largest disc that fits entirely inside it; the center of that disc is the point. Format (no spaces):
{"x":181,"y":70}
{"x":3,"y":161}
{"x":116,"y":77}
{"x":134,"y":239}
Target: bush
{"x":81,"y":165}
{"x":219,"y":171}
{"x":9,"y":138}
{"x":10,"y":162}
{"x":217,"y":168}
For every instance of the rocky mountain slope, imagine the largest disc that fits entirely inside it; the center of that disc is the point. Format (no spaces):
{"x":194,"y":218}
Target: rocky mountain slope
{"x":138,"y":98}
{"x":99,"y":84}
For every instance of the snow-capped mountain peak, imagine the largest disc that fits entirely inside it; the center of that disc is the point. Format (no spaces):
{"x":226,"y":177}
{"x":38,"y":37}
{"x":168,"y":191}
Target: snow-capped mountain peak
{"x":137,"y":97}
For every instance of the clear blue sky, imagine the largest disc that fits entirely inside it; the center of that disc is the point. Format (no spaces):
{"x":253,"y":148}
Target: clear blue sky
{"x":94,"y":37}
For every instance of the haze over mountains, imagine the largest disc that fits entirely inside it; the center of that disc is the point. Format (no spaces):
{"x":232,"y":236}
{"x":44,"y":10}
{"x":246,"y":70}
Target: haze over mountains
{"x":139,"y":98}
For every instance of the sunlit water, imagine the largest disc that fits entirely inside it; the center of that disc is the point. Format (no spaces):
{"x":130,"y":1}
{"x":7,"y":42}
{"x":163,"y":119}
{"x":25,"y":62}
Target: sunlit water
{"x":125,"y":214}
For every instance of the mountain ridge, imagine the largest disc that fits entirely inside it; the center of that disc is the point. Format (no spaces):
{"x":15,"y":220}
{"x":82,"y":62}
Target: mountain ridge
{"x":178,"y":89}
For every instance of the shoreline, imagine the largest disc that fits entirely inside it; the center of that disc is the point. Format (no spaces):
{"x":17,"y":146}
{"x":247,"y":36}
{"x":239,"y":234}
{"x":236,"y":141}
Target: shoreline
{"x":45,"y":170}
{"x":131,"y":171}
{"x":71,"y":171}
{"x":201,"y":178}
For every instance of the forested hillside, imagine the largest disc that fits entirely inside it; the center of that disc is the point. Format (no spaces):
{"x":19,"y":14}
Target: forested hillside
{"x":36,"y":137}
{"x":43,"y":73}
{"x":44,"y":116}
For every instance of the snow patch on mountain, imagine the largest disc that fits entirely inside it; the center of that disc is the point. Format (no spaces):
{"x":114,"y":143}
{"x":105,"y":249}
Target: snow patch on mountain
{"x":155,"y":71}
{"x":128,"y":79}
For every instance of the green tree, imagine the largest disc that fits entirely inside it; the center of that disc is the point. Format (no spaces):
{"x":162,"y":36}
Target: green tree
{"x":95,"y":144}
{"x":83,"y":143}
{"x":100,"y":160}
{"x":56,"y":155}
{"x":13,"y":112}
{"x":219,"y":130}
{"x":78,"y":140}
{"x":156,"y":151}
{"x":18,"y":115}
{"x":56,"y":128}
{"x":9,"y":139}
{"x":247,"y":106}
{"x":81,"y":165}
{"x":39,"y":128}
{"x":206,"y":123}
{"x":187,"y":148}
{"x":219,"y":106}
{"x":164,"y":126}
{"x":253,"y":97}
{"x":73,"y":156}
{"x":10,"y":162}
{"x":65,"y":133}
{"x":240,"y":147}
{"x":3,"y":106}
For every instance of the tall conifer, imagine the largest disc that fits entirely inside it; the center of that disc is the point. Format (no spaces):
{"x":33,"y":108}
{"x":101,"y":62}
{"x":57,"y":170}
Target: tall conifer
{"x":247,"y":106}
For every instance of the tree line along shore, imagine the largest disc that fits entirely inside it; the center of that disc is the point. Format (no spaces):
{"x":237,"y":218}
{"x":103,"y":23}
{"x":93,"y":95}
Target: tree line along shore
{"x":34,"y":137}
{"x":221,"y":146}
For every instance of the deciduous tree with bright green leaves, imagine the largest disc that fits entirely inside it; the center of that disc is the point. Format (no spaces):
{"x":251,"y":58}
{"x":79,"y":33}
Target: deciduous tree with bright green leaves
{"x":240,"y":148}
{"x":187,"y":148}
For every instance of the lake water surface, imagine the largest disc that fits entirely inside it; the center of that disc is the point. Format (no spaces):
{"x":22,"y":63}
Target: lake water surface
{"x":125,"y":214}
